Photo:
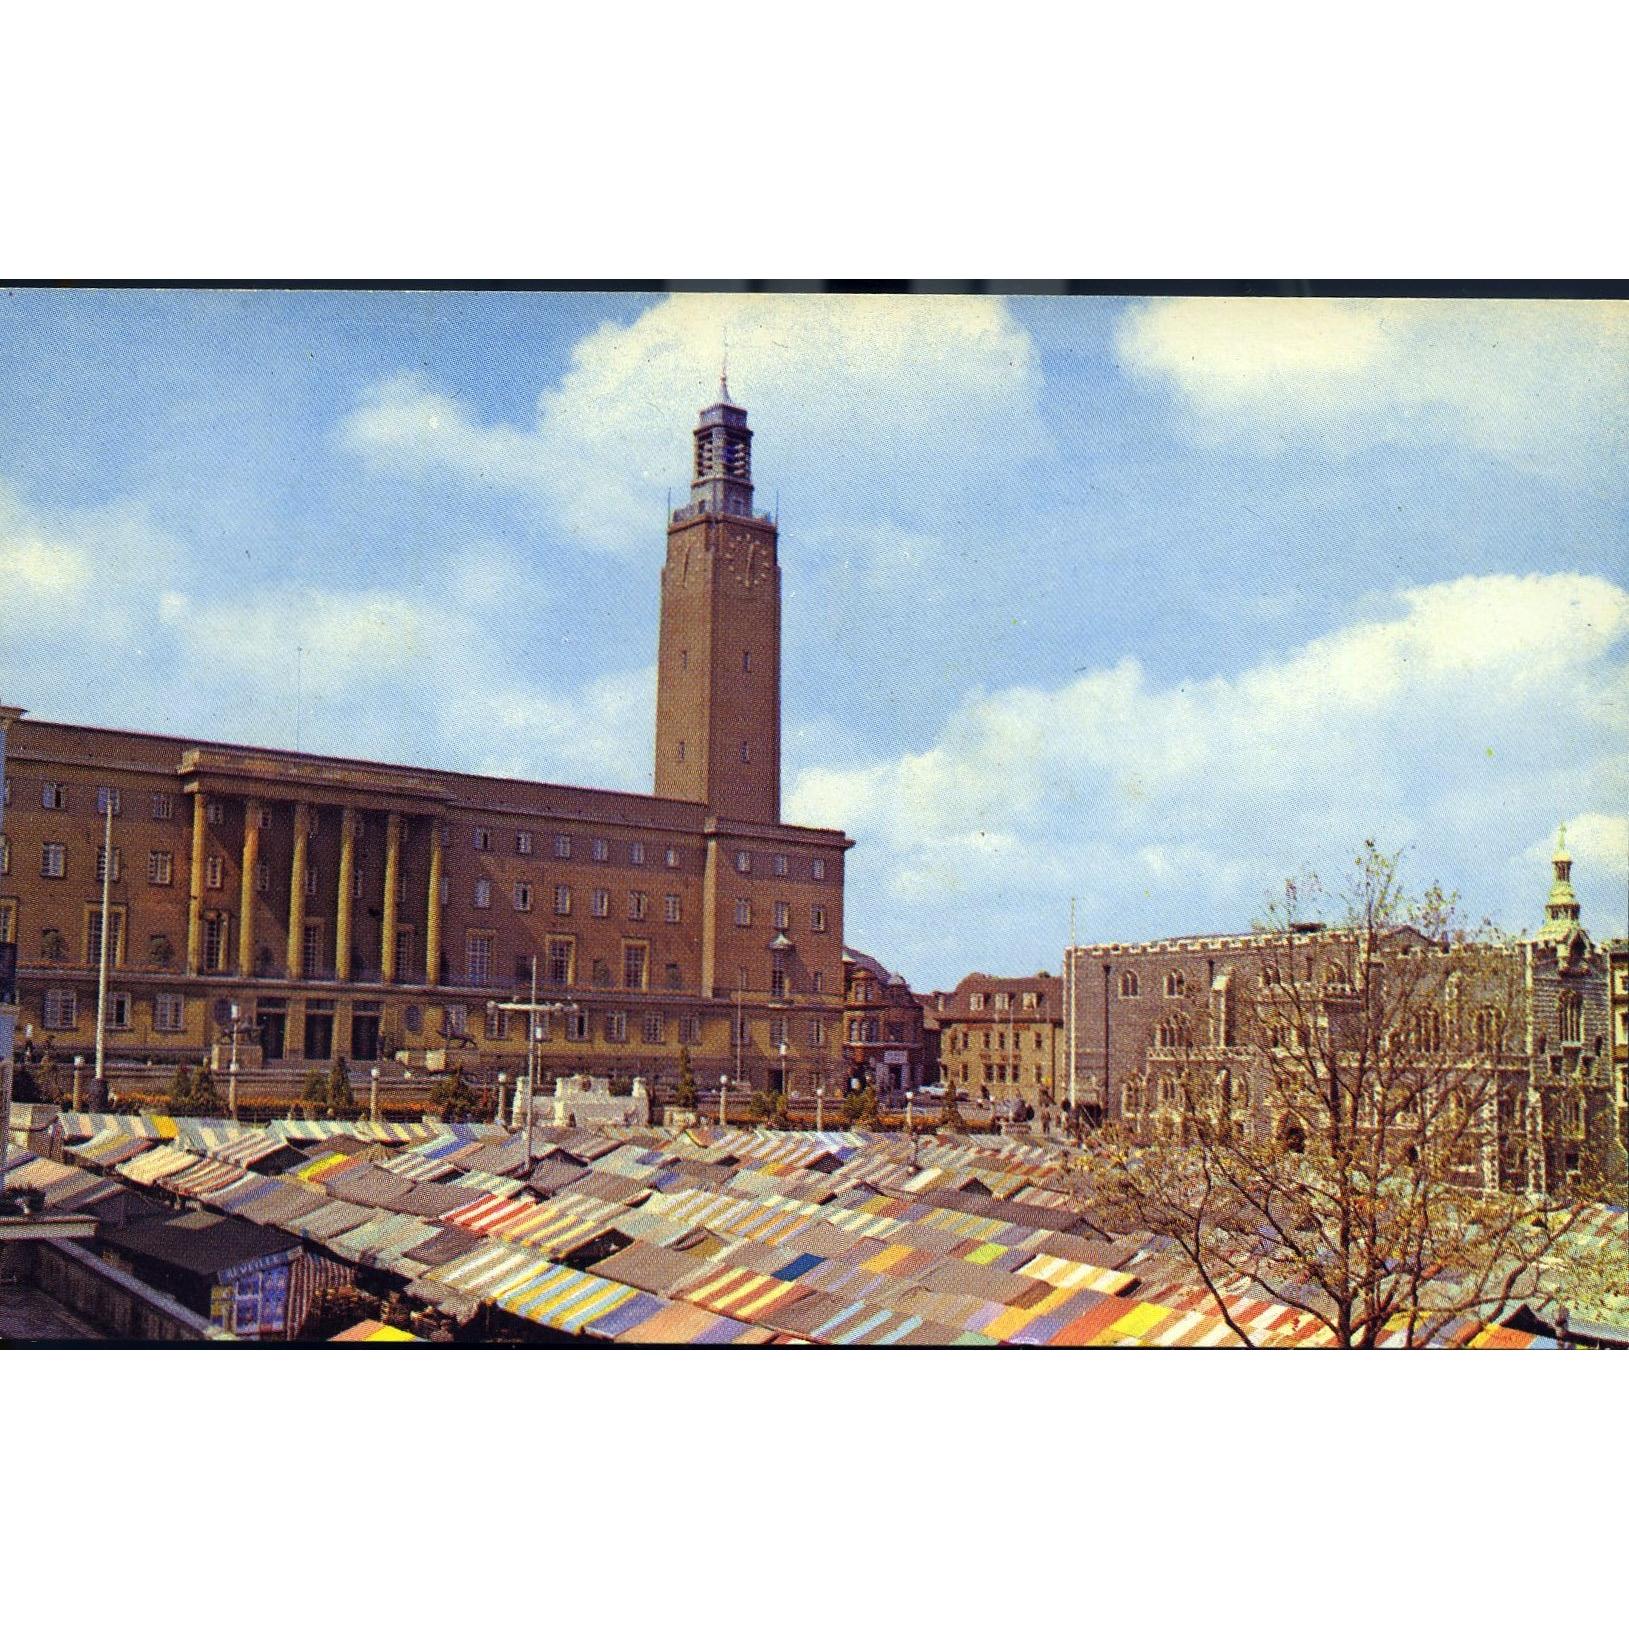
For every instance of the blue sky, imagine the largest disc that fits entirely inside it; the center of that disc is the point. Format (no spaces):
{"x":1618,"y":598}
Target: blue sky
{"x":1147,"y":602}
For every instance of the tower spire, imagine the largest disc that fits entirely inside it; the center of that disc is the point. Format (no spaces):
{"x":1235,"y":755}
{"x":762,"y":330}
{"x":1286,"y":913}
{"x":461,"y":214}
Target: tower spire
{"x":1561,"y":909}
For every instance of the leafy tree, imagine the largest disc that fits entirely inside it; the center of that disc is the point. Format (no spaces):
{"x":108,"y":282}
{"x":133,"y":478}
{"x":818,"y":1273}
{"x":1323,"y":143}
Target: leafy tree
{"x":454,"y":1102}
{"x":1337,"y":1128}
{"x":180,"y":1100}
{"x":341,"y":1099}
{"x":863,"y":1110}
{"x":684,"y":1096}
{"x":314,"y":1094}
{"x":952,"y":1118}
{"x":206,"y":1097}
{"x":761,"y":1106}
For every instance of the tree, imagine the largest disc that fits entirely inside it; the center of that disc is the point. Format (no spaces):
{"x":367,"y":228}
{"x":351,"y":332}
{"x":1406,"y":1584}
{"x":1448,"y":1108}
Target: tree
{"x":453,"y":1100}
{"x":863,"y":1110}
{"x":1335,"y":1124}
{"x":684,"y":1095}
{"x":180,"y":1101}
{"x":314,"y":1094}
{"x":952,"y":1120}
{"x":341,"y":1099}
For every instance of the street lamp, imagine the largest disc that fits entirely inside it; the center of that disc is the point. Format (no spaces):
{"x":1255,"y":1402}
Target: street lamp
{"x":373,"y":1094}
{"x":535,"y":1010}
{"x":723,"y":1099}
{"x":503,"y":1080}
{"x":232,"y":1066}
{"x":820,"y":1105}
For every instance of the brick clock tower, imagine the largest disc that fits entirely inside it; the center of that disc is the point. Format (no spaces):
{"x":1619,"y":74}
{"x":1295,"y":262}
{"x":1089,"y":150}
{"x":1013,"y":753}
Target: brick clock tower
{"x":718,"y":691}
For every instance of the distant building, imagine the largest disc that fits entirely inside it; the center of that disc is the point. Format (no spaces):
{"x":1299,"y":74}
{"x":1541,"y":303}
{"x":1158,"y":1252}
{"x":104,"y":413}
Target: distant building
{"x":1538,"y":1010}
{"x":1000,"y":1037}
{"x":884,"y":1034}
{"x":357,"y":909}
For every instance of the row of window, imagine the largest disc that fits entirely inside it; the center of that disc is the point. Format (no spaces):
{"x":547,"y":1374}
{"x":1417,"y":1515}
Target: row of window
{"x":1000,"y":1074}
{"x":783,"y":915}
{"x":653,"y":1027}
{"x":1001,"y":1000}
{"x":60,"y":1010}
{"x":961,"y":1039}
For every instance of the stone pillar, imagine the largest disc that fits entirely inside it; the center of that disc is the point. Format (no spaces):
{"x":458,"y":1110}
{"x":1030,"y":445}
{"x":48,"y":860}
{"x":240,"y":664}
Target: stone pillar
{"x":195,"y":886}
{"x":246,"y":894}
{"x":342,"y":908}
{"x":296,"y":890}
{"x":432,"y":911}
{"x":393,"y":868}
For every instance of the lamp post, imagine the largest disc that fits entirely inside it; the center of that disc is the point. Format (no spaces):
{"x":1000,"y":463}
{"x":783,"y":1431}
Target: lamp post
{"x":723,"y":1099}
{"x":786,"y":1084}
{"x":232,"y":1067}
{"x":503,"y":1080}
{"x":820,"y":1105}
{"x":1105,"y":1040}
{"x":910,"y":1126}
{"x":373,"y":1094}
{"x":535,"y":1011}
{"x":79,"y":1070}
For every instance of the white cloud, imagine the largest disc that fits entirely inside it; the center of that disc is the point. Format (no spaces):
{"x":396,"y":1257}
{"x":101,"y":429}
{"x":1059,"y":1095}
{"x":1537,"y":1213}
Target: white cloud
{"x":1542,"y":383}
{"x":1480,"y":705}
{"x":854,"y":397}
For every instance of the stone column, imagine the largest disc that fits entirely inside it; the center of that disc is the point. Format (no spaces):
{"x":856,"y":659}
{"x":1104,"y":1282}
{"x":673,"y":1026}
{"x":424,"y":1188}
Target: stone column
{"x":342,"y":909}
{"x":195,"y":895}
{"x":246,"y":893}
{"x":393,"y":867}
{"x":432,"y":911}
{"x":296,"y":890}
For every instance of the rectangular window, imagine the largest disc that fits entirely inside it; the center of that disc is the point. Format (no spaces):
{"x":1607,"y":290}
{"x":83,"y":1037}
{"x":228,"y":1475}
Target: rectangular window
{"x":562,"y":848}
{"x":93,"y":936}
{"x":601,"y":849}
{"x":558,"y":962}
{"x":635,"y":965}
{"x":819,"y":983}
{"x":523,"y":896}
{"x":743,"y":913}
{"x":654,"y":1029}
{"x":670,"y":859}
{"x":311,"y":950}
{"x":455,"y":1018}
{"x":497,"y":1024}
{"x":577,"y":1026}
{"x":562,"y":900}
{"x":777,"y":1032}
{"x":783,"y":914}
{"x":401,"y":887}
{"x":690,"y":1031}
{"x":5,"y":855}
{"x":746,"y":752}
{"x":523,"y":842}
{"x":817,"y":918}
{"x":602,"y":902}
{"x":638,"y":903}
{"x":214,"y":941}
{"x":265,"y":818}
{"x":169,"y":1012}
{"x":310,"y":882}
{"x":214,"y":870}
{"x":101,"y":861}
{"x":54,"y":795}
{"x":483,"y":893}
{"x":118,"y":1010}
{"x":8,"y":921}
{"x":483,"y":839}
{"x":478,"y":958}
{"x":404,"y":950}
{"x":675,"y":979}
{"x":817,"y":1032}
{"x":163,"y":806}
{"x":780,"y":865}
{"x":636,"y":854}
{"x":105,"y":796}
{"x":743,"y":861}
{"x":616,"y":1026}
{"x":262,"y":876}
{"x":777,"y":981}
{"x":817,"y":869}
{"x":356,"y":883}
{"x":670,"y":907}
{"x":61,"y":1009}
{"x":214,"y":812}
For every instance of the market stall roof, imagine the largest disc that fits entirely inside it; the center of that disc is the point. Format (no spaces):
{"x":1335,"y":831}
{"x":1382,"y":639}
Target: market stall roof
{"x":202,"y":1242}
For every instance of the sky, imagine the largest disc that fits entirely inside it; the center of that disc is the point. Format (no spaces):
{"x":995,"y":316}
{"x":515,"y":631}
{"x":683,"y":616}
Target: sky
{"x":1145,"y":603}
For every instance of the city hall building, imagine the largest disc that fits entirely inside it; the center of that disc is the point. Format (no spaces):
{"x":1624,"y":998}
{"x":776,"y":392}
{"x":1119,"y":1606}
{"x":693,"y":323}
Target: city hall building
{"x":361,"y":910}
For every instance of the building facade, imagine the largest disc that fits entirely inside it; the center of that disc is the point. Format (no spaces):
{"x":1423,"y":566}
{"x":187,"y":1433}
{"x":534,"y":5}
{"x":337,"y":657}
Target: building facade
{"x":999,"y":1037}
{"x":886,"y":1039}
{"x":367,"y":910}
{"x":1534,"y":1013}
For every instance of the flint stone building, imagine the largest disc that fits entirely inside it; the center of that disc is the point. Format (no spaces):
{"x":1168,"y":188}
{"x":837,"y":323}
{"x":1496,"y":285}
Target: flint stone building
{"x":1539,"y":1010}
{"x":359,"y":910}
